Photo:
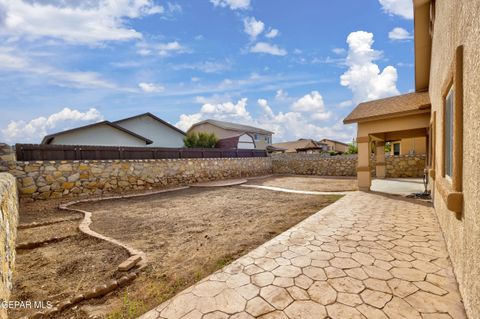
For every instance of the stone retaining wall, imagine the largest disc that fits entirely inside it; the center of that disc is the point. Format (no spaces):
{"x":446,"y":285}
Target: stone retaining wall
{"x":8,"y":234}
{"x":55,"y":179}
{"x":314,"y":164}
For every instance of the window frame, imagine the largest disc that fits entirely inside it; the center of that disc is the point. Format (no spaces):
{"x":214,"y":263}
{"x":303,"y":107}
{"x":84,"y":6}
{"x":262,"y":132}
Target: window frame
{"x":451,"y":187}
{"x":399,"y":148}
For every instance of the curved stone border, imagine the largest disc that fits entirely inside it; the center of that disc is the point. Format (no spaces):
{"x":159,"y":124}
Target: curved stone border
{"x":222,"y":183}
{"x":56,"y":221}
{"x":137,"y":257}
{"x":35,"y":244}
{"x":87,"y":220}
{"x":97,"y":292}
{"x":294,"y":191}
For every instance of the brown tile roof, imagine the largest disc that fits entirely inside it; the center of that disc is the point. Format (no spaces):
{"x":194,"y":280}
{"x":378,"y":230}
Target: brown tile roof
{"x":389,"y":107}
{"x":293,"y":146}
{"x":234,"y":127}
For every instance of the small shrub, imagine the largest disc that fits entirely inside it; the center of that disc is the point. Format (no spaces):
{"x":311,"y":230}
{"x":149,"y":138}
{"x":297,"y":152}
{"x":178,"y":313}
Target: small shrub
{"x":352,"y":148}
{"x":200,"y":140}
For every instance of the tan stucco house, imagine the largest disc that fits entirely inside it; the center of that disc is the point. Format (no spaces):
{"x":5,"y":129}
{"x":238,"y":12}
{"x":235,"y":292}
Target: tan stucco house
{"x":445,"y":111}
{"x":224,"y":130}
{"x":335,"y":146}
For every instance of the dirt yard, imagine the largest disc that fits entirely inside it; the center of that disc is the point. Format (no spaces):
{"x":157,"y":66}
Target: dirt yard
{"x":309,"y":183}
{"x":186,"y":234}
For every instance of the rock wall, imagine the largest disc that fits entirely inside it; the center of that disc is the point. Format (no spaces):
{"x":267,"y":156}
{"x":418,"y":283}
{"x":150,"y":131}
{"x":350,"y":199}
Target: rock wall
{"x":8,"y":234}
{"x":314,"y":164}
{"x":7,"y":155}
{"x":318,"y":164}
{"x":405,"y":165}
{"x":56,"y":179}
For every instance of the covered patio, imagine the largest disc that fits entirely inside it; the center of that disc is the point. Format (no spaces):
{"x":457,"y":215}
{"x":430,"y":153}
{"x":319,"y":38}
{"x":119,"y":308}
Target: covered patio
{"x":387,"y":120}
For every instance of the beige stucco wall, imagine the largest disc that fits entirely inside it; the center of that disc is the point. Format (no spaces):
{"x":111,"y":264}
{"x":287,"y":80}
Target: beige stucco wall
{"x":457,"y":23}
{"x":413,"y":144}
{"x":8,"y":235}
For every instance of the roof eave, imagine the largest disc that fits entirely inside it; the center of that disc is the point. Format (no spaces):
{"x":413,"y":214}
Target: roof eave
{"x":423,"y":44}
{"x":421,"y":110}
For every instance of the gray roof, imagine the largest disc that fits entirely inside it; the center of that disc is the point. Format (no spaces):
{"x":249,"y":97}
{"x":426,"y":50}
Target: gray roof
{"x":234,"y":126}
{"x":153,"y":117}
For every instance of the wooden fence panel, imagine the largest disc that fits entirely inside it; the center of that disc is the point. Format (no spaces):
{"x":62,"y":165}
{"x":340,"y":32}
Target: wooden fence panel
{"x":41,"y":152}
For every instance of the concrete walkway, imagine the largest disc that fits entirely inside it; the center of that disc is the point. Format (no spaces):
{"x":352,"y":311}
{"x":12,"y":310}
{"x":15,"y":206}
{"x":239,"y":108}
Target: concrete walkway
{"x":398,"y":186}
{"x":365,"y":256}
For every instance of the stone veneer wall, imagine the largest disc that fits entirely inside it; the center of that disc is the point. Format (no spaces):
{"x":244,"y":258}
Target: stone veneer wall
{"x":314,"y":164}
{"x":7,"y":154}
{"x":56,"y":179}
{"x":8,"y":234}
{"x":317,"y":164}
{"x":405,"y":165}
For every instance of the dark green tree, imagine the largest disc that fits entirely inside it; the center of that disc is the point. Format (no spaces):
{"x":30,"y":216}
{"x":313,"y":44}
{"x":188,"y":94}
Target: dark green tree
{"x":200,"y":140}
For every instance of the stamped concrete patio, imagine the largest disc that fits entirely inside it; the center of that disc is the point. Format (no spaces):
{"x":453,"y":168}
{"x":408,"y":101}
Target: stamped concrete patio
{"x":365,"y":256}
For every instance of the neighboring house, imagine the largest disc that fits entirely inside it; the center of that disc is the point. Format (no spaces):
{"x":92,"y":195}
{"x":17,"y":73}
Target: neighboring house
{"x":444,"y":109}
{"x":98,"y":134}
{"x":140,"y":130}
{"x":409,"y":146}
{"x":302,"y":146}
{"x":223,"y":130}
{"x":335,"y":146}
{"x":163,"y":134}
{"x":242,"y":141}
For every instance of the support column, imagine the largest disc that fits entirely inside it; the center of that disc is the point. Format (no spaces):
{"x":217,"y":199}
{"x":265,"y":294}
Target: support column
{"x":380,"y":168}
{"x":363,"y":170}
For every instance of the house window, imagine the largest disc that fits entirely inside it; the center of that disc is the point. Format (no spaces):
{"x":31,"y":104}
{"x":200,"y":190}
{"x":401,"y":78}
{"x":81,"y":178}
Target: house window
{"x":256,"y":137}
{"x":449,"y":109}
{"x":396,"y":149}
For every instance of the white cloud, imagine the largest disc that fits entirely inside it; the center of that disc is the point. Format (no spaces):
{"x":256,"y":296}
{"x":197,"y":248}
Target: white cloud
{"x":402,"y":8}
{"x":399,"y":34}
{"x":312,"y":103}
{"x":253,"y":27}
{"x":265,"y":107}
{"x":161,"y":49}
{"x":86,"y":22}
{"x":232,"y":4}
{"x":281,"y":95}
{"x":150,"y":87}
{"x":10,"y":60}
{"x":339,"y":51}
{"x":272,"y":33}
{"x":165,"y":49}
{"x":263,"y":47}
{"x":209,"y":66}
{"x":345,"y":104}
{"x":364,"y":77}
{"x":34,"y":130}
{"x":286,"y":125}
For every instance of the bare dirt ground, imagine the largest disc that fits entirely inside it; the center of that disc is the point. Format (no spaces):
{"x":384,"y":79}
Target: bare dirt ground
{"x":186,"y":234}
{"x":309,"y":183}
{"x":189,"y":234}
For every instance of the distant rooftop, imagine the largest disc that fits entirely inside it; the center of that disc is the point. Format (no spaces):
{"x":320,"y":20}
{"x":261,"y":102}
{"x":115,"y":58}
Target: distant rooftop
{"x":301,"y":144}
{"x":234,"y":126}
{"x":389,"y":107}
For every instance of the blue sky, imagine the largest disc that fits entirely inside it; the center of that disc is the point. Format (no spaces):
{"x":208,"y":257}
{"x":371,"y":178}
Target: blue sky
{"x":294,"y":67}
